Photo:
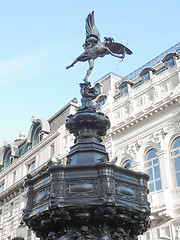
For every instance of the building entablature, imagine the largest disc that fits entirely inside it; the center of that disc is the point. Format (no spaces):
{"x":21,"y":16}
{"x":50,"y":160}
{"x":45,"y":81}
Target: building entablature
{"x":12,"y":192}
{"x":121,"y":125}
{"x":147,"y":96}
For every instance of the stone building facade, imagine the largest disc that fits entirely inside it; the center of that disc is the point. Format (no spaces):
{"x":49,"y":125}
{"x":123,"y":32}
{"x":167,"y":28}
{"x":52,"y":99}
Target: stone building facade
{"x":143,"y":108}
{"x":45,"y":140}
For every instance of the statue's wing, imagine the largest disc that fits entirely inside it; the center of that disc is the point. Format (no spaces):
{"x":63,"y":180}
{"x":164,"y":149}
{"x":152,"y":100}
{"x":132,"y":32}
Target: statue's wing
{"x":90,"y":27}
{"x":119,"y":48}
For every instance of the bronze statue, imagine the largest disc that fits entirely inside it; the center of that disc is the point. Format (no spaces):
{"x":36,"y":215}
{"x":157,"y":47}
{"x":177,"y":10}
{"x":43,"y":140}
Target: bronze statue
{"x":94,"y":48}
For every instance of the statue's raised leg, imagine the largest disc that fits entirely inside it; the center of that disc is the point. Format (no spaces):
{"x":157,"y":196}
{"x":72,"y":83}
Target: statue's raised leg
{"x":75,"y":61}
{"x":91,"y":66}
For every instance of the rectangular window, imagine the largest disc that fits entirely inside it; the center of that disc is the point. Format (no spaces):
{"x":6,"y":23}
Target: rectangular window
{"x":11,"y":208}
{"x":2,"y":187}
{"x":14,"y":177}
{"x":40,"y":136}
{"x":31,"y":166}
{"x":0,"y":216}
{"x":11,"y":159}
{"x":29,"y":146}
{"x":23,"y":202}
{"x":52,"y":150}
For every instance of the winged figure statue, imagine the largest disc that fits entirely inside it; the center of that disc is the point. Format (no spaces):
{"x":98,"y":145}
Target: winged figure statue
{"x":94,"y":48}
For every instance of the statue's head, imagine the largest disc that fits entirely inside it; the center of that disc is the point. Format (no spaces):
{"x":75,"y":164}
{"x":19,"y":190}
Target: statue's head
{"x":108,"y":41}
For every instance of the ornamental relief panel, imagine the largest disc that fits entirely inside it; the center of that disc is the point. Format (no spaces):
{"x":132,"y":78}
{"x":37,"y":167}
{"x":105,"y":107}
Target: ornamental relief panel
{"x":176,"y":194}
{"x":139,"y":101}
{"x":41,"y":196}
{"x":81,"y":188}
{"x":150,"y":96}
{"x":56,"y":190}
{"x":130,"y":151}
{"x":126,"y":191}
{"x":127,"y":110}
{"x":164,"y":88}
{"x":174,"y":82}
{"x":117,"y":114}
{"x":178,"y":232}
{"x":164,"y":233}
{"x":133,"y":148}
{"x":158,"y":137}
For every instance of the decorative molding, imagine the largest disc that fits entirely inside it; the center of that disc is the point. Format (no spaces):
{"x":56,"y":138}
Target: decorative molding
{"x":158,"y":137}
{"x":176,"y":193}
{"x":142,"y":116}
{"x":177,"y":232}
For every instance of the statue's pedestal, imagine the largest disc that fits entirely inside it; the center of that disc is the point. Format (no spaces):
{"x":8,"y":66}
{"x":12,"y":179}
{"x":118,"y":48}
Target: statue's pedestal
{"x":89,"y":198}
{"x":88,"y":127}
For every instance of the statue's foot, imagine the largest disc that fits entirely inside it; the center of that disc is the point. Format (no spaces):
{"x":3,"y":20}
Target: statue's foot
{"x":68,"y":67}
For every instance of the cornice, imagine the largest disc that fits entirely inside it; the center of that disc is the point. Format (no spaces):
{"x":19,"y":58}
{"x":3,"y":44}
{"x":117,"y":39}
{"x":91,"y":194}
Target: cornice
{"x":13,"y":191}
{"x":133,"y":120}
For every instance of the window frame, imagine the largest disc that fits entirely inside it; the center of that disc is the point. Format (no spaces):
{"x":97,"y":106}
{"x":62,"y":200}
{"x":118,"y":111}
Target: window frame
{"x":31,"y":166}
{"x":2,"y":186}
{"x":152,"y":164}
{"x":173,"y":157}
{"x":52,"y":150}
{"x":168,"y":66}
{"x":144,"y":77}
{"x":122,"y":92}
{"x":1,"y":216}
{"x":11,"y":209}
{"x":14,"y":176}
{"x":30,"y":163}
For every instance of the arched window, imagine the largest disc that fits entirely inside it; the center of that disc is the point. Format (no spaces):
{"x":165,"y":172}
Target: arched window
{"x":175,"y":153}
{"x":146,"y":74}
{"x":37,"y":135}
{"x":153,"y":170}
{"x":9,"y":153}
{"x":38,"y":130}
{"x":170,"y":59}
{"x":127,"y":164}
{"x":7,"y":158}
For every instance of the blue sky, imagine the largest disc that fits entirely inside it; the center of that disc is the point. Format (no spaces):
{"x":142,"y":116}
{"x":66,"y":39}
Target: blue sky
{"x":39,"y":38}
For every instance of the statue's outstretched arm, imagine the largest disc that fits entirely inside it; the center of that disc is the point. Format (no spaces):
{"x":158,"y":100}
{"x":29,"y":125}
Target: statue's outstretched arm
{"x":116,"y":55}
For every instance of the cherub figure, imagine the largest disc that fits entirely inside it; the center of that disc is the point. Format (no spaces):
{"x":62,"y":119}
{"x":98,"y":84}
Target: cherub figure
{"x":94,"y":48}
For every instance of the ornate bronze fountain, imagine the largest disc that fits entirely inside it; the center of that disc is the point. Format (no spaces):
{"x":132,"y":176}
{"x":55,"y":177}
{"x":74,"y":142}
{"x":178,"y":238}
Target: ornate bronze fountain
{"x":90,"y":197}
